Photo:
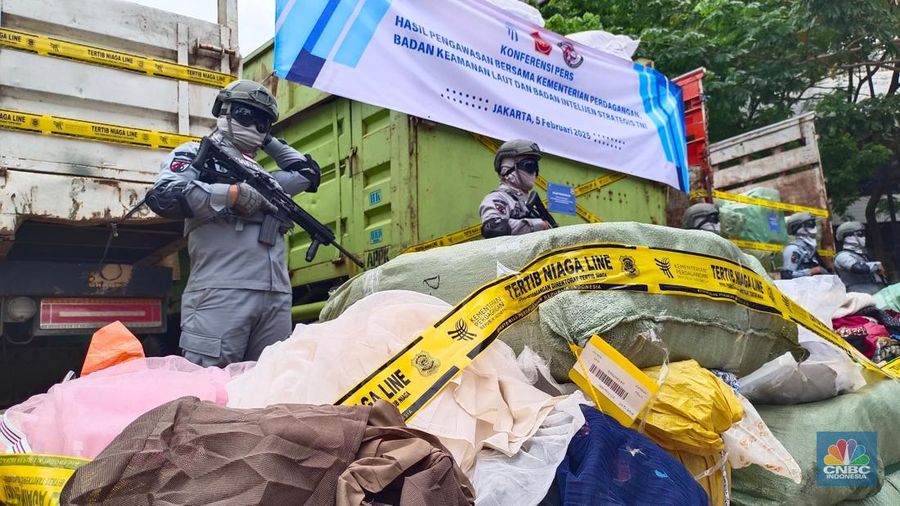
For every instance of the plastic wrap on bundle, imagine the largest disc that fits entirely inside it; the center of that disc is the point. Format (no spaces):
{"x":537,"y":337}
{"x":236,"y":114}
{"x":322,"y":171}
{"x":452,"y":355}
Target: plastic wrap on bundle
{"x":827,"y":372}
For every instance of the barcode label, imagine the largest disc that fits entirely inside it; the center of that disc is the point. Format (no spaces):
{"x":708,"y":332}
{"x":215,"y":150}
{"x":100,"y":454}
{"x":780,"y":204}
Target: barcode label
{"x":612,"y":381}
{"x":608,"y":381}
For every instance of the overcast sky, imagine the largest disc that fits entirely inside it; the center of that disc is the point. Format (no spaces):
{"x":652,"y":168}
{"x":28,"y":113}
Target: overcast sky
{"x":256,"y":18}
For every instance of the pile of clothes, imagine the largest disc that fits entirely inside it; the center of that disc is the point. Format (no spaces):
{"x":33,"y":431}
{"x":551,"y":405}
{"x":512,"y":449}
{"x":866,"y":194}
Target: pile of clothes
{"x":728,"y":421}
{"x":875,"y":332}
{"x":503,"y":432}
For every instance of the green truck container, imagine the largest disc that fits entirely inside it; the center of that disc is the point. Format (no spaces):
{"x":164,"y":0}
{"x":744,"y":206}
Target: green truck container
{"x":391,"y":181}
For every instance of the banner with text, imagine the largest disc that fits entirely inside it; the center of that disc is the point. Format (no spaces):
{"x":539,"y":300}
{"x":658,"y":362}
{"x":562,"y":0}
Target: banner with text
{"x":471,"y":65}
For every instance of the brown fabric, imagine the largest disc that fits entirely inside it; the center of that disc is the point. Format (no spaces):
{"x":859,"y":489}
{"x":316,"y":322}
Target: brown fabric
{"x":189,"y":452}
{"x":399,"y":465}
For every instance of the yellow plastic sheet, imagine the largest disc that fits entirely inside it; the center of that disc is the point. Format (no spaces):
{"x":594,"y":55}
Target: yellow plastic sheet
{"x":29,"y":478}
{"x":717,"y":482}
{"x":691,"y":409}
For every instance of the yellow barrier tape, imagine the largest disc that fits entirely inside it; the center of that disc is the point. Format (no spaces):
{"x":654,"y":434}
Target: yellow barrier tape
{"x":464,"y":235}
{"x":48,"y":46}
{"x":594,"y":184}
{"x":699,"y":194}
{"x":412,"y":377}
{"x":29,"y":478}
{"x":66,"y":127}
{"x":893,"y":366}
{"x":775,"y":248}
{"x":467,"y":234}
{"x":587,"y":215}
{"x":598,"y":183}
{"x":487,"y":142}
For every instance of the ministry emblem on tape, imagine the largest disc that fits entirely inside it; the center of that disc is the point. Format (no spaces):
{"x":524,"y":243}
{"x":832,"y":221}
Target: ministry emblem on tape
{"x":665,"y":266}
{"x":425,"y":363}
{"x":461,"y":331}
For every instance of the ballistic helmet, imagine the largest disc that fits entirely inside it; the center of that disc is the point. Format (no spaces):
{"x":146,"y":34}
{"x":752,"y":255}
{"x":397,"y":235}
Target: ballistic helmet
{"x":516,"y":147}
{"x":848,"y":228}
{"x":247,"y":92}
{"x":797,"y":220}
{"x":696,"y":213}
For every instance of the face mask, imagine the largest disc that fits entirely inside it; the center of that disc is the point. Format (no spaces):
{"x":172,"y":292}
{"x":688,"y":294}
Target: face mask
{"x":520,"y":180}
{"x":711,"y":227}
{"x":855,"y":242}
{"x":808,"y":231}
{"x":246,"y":139}
{"x":807,"y":239}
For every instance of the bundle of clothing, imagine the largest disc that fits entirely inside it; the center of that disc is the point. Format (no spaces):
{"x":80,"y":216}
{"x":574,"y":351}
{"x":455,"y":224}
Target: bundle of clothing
{"x":190,"y":451}
{"x":875,"y":332}
{"x":165,"y":431}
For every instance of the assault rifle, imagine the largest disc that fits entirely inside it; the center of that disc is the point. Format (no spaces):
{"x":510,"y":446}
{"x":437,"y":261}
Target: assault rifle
{"x":231,"y":167}
{"x":536,"y":209}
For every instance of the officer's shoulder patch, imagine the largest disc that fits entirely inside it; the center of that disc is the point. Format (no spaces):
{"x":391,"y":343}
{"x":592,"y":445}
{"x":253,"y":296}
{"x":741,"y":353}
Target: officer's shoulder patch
{"x":500,"y":205}
{"x":180,"y":163}
{"x":795,"y":257}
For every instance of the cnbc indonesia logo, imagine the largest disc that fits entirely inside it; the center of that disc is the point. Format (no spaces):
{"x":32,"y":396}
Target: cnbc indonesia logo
{"x":846,"y":459}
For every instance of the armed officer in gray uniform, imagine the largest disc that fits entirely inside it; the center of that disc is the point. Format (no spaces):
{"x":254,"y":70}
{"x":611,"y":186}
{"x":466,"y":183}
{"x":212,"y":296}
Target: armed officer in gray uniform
{"x":800,"y":258}
{"x":238,"y":297}
{"x":505,"y":211}
{"x":852,"y":263}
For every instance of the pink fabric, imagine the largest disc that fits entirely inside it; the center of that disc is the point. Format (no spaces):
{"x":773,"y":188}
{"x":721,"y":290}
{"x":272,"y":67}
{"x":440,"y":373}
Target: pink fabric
{"x":875,"y":330}
{"x":79,"y":418}
{"x":850,"y":321}
{"x":870,"y":332}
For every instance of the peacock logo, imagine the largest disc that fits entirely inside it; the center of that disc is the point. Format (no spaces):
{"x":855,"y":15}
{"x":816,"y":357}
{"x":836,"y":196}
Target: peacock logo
{"x":846,"y":452}
{"x":846,"y":459}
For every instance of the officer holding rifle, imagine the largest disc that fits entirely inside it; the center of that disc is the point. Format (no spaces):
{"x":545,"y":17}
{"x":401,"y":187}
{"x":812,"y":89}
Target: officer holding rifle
{"x":513,"y":208}
{"x":238,"y":296}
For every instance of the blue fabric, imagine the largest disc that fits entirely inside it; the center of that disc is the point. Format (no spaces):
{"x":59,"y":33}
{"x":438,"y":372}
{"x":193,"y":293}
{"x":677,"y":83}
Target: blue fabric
{"x":729,"y":378}
{"x":610,"y":464}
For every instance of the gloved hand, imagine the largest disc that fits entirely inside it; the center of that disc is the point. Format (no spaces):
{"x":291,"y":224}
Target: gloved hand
{"x":538,"y":224}
{"x":246,"y":201}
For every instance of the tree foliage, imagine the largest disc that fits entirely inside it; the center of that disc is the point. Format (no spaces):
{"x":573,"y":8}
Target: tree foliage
{"x":767,"y":60}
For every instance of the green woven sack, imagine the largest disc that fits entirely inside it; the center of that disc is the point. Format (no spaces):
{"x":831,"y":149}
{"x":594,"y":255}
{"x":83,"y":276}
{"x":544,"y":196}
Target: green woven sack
{"x":874,"y":408}
{"x":715,"y":334}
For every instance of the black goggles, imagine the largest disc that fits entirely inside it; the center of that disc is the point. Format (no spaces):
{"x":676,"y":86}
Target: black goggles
{"x":858,"y":233}
{"x":529,"y":165}
{"x":808,"y":224}
{"x":710,"y":218}
{"x":250,"y":116}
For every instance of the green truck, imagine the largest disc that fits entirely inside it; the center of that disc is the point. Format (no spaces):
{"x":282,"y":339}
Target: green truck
{"x":393,"y":182}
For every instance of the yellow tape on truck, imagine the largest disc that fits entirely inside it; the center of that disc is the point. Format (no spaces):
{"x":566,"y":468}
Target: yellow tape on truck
{"x":774,"y":248}
{"x":473,"y":232}
{"x":417,"y":373}
{"x":66,"y":127}
{"x":44,"y":45}
{"x":716,"y":194}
